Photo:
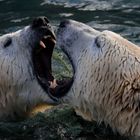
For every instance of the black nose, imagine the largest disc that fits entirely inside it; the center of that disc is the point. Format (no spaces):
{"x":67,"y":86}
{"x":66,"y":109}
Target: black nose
{"x":64,"y":23}
{"x":40,"y":21}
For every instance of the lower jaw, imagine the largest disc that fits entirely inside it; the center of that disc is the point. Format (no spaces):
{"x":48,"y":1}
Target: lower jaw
{"x":62,"y":88}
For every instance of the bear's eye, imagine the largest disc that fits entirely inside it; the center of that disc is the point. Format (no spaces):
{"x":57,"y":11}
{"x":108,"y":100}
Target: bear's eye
{"x":8,"y":42}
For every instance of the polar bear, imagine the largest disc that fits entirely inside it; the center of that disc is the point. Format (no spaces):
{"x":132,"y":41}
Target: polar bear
{"x":25,"y":69}
{"x":106,"y":79}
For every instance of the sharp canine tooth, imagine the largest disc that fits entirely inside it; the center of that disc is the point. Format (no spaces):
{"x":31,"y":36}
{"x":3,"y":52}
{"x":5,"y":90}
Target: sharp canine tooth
{"x":45,"y":37}
{"x":42,"y":44}
{"x":54,"y":41}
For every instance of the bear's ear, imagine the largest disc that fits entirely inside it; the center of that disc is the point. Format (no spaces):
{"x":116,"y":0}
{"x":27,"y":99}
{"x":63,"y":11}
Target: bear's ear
{"x":104,"y":40}
{"x":99,"y":41}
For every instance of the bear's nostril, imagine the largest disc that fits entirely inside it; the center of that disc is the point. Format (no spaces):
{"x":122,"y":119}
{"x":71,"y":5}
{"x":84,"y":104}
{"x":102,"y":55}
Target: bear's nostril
{"x":40,"y":21}
{"x":64,"y":23}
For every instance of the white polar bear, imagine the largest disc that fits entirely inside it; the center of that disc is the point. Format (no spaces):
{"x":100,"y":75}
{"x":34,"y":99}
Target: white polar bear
{"x":20,"y":86}
{"x":106,"y":81}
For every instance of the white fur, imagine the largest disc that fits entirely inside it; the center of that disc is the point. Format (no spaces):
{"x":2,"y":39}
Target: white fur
{"x":19,"y":89}
{"x":107,"y":76}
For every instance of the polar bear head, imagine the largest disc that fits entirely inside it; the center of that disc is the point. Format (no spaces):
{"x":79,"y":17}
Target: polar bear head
{"x":25,"y":68}
{"x":106,"y":80}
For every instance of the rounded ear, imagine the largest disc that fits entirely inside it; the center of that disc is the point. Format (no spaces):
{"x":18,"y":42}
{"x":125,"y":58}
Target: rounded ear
{"x":104,"y":40}
{"x":100,"y":41}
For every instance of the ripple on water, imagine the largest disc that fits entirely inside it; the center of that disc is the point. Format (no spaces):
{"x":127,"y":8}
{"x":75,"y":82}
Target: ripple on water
{"x":95,"y":4}
{"x":19,"y":19}
{"x":132,"y":33}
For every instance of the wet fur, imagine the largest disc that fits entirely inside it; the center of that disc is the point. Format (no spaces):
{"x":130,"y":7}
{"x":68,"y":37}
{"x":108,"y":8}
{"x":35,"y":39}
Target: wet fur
{"x":19,"y":88}
{"x":107,"y":77}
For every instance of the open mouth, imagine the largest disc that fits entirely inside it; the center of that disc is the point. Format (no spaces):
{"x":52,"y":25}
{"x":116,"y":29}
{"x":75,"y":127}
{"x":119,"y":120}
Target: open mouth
{"x":42,"y":60}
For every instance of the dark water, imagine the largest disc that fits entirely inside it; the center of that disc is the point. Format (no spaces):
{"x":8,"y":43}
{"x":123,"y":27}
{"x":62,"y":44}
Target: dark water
{"x":121,"y":16}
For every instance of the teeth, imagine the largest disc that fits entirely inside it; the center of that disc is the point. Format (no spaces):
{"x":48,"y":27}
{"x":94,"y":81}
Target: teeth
{"x":45,"y":37}
{"x":48,"y":36}
{"x":54,"y":41}
{"x":42,"y":44}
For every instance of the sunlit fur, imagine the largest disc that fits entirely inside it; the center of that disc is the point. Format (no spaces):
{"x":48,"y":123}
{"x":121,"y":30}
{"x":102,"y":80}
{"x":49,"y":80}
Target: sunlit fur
{"x":19,"y":89}
{"x":107,"y":76}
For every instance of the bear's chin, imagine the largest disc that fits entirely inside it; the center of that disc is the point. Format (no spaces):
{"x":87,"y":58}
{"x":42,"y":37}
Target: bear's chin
{"x":42,"y":61}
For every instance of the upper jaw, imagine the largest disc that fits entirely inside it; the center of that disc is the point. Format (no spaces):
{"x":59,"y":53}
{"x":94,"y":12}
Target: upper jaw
{"x":42,"y":52}
{"x":44,"y":33}
{"x":45,"y":36}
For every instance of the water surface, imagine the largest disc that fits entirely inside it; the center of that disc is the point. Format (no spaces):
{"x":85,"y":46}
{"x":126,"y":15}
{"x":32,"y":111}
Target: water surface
{"x":121,"y":16}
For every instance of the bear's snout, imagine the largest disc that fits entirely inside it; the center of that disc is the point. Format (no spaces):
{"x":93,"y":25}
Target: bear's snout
{"x":40,"y":21}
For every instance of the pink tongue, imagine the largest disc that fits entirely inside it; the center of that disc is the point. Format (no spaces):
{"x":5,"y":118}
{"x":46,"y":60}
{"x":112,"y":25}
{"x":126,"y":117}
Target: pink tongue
{"x":42,"y":44}
{"x":53,"y":84}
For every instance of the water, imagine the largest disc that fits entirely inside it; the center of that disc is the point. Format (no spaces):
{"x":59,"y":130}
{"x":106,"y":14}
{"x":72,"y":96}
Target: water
{"x":121,"y":16}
